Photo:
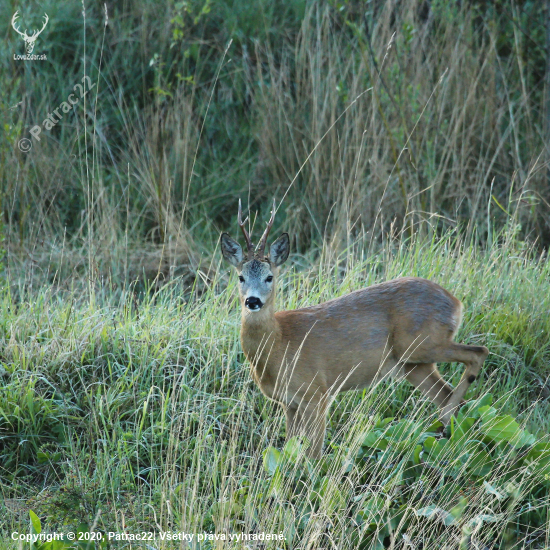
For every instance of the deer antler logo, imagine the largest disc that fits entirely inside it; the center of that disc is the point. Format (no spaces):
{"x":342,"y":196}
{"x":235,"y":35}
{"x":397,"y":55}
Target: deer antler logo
{"x":29,"y":40}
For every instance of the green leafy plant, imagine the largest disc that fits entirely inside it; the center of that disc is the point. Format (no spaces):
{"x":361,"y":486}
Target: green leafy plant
{"x":483,"y":469}
{"x":82,"y":539}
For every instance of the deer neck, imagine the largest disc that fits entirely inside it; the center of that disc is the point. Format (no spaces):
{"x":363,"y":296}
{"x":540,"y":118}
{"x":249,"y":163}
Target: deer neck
{"x":260,"y":337}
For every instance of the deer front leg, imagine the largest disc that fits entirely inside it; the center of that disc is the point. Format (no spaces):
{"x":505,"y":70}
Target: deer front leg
{"x":473,"y":358}
{"x":308,"y":419}
{"x":290,"y":422}
{"x":427,"y":379}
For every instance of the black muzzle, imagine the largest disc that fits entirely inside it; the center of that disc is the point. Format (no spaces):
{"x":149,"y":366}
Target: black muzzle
{"x":253,"y":303}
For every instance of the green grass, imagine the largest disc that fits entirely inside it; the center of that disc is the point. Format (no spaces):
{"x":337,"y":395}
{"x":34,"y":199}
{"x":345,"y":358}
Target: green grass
{"x":136,"y":411}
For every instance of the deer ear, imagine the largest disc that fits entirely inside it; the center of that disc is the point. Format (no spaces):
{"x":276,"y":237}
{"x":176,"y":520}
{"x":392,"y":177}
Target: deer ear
{"x":231,"y":250}
{"x":279,"y":250}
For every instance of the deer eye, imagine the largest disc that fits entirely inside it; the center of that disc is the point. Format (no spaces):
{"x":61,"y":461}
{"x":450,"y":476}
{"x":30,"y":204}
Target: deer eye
{"x":269,"y":279}
{"x":241,"y":278}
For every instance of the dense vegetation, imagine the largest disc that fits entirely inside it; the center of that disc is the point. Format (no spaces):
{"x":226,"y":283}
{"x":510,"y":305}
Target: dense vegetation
{"x":415,"y":114}
{"x":399,"y":138}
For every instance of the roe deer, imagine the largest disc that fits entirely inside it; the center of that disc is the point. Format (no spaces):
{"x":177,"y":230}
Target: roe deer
{"x":302,"y":358}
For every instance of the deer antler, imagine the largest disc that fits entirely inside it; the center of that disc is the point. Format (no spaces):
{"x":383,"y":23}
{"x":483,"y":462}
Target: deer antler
{"x":249,"y":245}
{"x":46,"y":19}
{"x":24,"y":35}
{"x":260,"y":249}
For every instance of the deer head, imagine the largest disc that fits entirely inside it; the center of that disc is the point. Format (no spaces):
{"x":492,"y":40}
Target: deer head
{"x":257,"y":272}
{"x":29,"y":40}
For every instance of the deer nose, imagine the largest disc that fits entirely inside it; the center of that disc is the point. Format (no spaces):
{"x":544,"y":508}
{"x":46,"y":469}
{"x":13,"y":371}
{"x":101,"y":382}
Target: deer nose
{"x":253,"y":303}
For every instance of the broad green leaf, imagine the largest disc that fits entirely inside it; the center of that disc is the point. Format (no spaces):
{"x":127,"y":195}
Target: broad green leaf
{"x":323,"y":485}
{"x":292,"y":448}
{"x":84,"y":544}
{"x":333,"y":498}
{"x":502,"y":428}
{"x":485,"y":413}
{"x":395,"y":476}
{"x":459,"y":429}
{"x":435,"y":512}
{"x":42,"y":457}
{"x":396,"y":519}
{"x":321,"y":466}
{"x":427,"y":511}
{"x":429,"y":443}
{"x":457,"y":510}
{"x":375,"y":441}
{"x":373,"y":509}
{"x":402,"y":446}
{"x":377,"y":543}
{"x":542,"y":466}
{"x":416,"y":454}
{"x":277,"y":484}
{"x":493,"y":490}
{"x":471,"y":408}
{"x":480,"y":463}
{"x":476,"y":458}
{"x":384,"y":422}
{"x":480,"y":519}
{"x":447,"y":518}
{"x":527,"y":439}
{"x":36,"y":526}
{"x":539,"y":450}
{"x":486,"y":399}
{"x":434,"y":426}
{"x":272,"y":457}
{"x":405,"y":430}
{"x":438,"y":448}
{"x":513,"y":489}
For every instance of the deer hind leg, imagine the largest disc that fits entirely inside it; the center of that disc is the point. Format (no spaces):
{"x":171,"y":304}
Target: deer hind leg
{"x":427,"y":379}
{"x":473,"y":358}
{"x":291,"y":424}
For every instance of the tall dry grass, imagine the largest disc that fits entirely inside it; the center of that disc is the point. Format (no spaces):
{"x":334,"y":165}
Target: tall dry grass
{"x":363,"y":118}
